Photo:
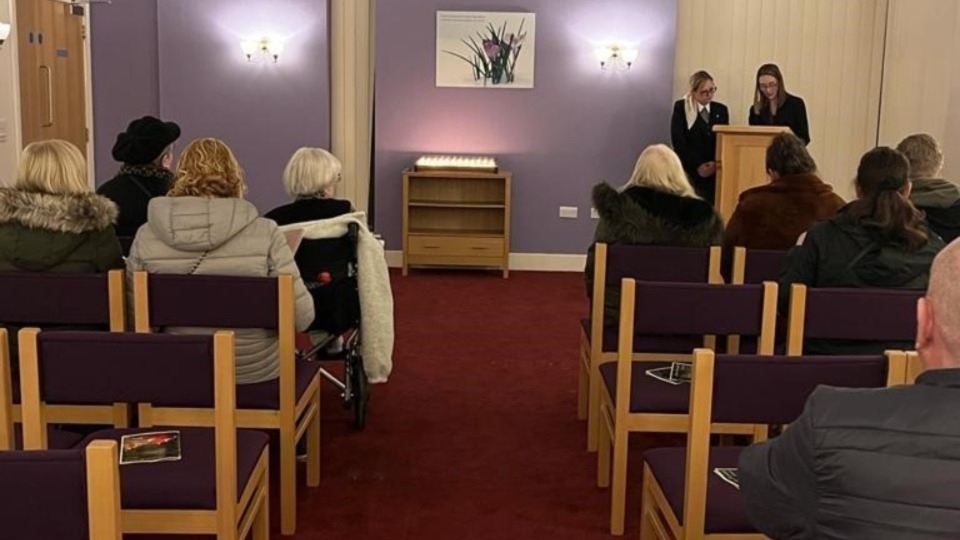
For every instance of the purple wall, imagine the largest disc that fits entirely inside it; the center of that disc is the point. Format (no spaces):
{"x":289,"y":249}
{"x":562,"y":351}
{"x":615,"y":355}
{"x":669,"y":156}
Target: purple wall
{"x":577,"y":127}
{"x":264,"y":111}
{"x":125,"y":79}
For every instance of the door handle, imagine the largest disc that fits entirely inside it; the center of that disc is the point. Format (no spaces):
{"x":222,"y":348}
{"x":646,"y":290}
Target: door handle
{"x":49,"y":74}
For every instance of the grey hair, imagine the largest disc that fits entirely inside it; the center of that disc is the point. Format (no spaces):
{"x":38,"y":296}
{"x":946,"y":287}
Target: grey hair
{"x":924,"y":154}
{"x":659,"y":168}
{"x":311,"y":171}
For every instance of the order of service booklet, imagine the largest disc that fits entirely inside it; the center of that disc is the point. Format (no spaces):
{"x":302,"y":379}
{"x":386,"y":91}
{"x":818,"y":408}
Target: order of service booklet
{"x":150,"y":447}
{"x":676,"y":373}
{"x":729,"y":476}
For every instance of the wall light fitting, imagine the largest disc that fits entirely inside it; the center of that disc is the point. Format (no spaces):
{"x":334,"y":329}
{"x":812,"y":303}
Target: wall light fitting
{"x":616,"y":57}
{"x":456,"y":163}
{"x":256,"y":50}
{"x":4,"y":32}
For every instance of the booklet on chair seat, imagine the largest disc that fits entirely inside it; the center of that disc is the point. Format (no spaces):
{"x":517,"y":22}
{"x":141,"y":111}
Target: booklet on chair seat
{"x":150,"y":447}
{"x":294,"y":237}
{"x":676,"y":373}
{"x":729,"y":476}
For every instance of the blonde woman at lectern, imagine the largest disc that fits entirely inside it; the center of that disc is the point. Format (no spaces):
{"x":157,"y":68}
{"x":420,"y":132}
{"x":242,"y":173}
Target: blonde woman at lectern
{"x":691,"y":132}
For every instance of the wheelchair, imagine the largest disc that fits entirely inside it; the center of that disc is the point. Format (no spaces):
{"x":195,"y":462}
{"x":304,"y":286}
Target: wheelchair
{"x":329,"y":270}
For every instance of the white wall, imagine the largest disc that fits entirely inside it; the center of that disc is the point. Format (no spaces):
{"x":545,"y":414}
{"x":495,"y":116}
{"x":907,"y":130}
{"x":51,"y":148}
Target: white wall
{"x":830,"y":52}
{"x":9,"y":90}
{"x":921,"y":91}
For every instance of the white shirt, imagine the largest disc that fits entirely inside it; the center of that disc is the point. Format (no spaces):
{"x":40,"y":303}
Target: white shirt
{"x":702,"y":108}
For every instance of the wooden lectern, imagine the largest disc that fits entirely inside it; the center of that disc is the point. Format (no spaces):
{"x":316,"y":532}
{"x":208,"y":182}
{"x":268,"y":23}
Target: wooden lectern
{"x":741,"y":162}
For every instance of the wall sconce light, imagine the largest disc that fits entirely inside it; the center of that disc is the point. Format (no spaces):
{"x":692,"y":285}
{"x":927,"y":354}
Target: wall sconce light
{"x":616,"y":57}
{"x":4,"y":32}
{"x":456,"y":163}
{"x":256,"y":50}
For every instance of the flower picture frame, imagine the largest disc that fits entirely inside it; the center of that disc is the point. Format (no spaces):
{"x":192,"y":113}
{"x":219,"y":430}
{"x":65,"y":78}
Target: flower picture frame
{"x":485,"y":49}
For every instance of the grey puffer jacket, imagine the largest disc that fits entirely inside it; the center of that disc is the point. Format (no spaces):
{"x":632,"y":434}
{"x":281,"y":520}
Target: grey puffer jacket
{"x":221,"y":237}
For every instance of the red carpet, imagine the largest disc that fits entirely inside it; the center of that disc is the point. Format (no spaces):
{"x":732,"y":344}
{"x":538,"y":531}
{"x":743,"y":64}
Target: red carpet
{"x":475,"y":435}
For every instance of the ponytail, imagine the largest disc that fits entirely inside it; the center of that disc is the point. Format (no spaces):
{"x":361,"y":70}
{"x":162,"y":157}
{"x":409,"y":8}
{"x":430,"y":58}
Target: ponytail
{"x":883,"y":207}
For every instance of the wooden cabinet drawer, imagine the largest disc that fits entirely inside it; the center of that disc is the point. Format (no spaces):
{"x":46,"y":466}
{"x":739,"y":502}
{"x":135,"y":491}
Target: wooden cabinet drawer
{"x":457,"y":246}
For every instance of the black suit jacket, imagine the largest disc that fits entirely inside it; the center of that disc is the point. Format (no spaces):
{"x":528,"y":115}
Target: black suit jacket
{"x":696,"y":145}
{"x":792,"y":114}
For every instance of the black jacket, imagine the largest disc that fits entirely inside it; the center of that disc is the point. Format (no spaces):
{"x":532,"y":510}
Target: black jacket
{"x":641,"y":215}
{"x":940,"y":201}
{"x":132,"y":193}
{"x":877,"y":464}
{"x":698,"y":144}
{"x":839,"y":252}
{"x":315,"y":256}
{"x":793,"y":114}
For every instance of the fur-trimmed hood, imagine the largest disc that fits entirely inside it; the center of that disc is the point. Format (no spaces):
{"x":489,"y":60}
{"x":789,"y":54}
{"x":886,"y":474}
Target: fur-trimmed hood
{"x":640,"y":215}
{"x":73,"y":213}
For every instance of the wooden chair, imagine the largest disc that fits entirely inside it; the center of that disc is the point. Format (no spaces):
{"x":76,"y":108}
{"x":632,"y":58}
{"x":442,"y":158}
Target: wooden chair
{"x":631,"y":401}
{"x":598,"y":341}
{"x":220,"y":484}
{"x":683,"y":499}
{"x":61,"y":494}
{"x":756,"y":265}
{"x":290,"y":404}
{"x":70,"y":300}
{"x":915,"y":367}
{"x":863,"y":319}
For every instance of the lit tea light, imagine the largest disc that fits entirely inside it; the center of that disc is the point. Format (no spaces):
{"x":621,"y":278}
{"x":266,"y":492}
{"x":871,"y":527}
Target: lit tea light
{"x":456,"y":163}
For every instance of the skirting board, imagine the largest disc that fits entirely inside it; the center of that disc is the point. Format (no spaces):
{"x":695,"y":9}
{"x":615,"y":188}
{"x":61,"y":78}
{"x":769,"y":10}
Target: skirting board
{"x":534,"y":262}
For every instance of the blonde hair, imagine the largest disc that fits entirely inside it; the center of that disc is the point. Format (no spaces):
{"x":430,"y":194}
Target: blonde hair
{"x":659,"y":168}
{"x":53,"y":166}
{"x":208,"y":168}
{"x":924,"y":154}
{"x":697,"y":80}
{"x":311,"y":171}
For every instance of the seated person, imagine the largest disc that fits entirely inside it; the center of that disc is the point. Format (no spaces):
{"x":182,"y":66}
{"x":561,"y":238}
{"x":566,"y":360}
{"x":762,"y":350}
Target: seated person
{"x":773,"y":216}
{"x":656,"y":206}
{"x":50,"y":219}
{"x":939,"y":199}
{"x":146,"y":151}
{"x":878,"y":464}
{"x":878,"y":240}
{"x":204,"y":226}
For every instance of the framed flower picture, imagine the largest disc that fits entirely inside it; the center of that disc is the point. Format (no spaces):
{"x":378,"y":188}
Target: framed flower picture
{"x":485,"y":49}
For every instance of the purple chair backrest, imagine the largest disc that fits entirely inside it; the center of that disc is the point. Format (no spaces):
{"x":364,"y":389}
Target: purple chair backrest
{"x":774,"y":389}
{"x":861,"y":314}
{"x":99,"y":368}
{"x":657,"y":263}
{"x":213,"y":301}
{"x":763,"y":265}
{"x":54,"y":298}
{"x":44,"y":495}
{"x":698,"y":309}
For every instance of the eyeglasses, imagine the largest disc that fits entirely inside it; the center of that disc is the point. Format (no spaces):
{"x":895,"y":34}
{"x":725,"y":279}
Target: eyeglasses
{"x":708,"y":92}
{"x":769,"y":86}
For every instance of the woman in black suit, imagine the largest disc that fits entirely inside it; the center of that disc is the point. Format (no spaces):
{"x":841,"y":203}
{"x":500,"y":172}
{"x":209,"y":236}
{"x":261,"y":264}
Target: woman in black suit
{"x":691,"y":131}
{"x":773,"y":106}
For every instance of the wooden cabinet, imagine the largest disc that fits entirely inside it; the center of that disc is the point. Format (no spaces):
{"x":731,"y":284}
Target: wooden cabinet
{"x":456,"y":219}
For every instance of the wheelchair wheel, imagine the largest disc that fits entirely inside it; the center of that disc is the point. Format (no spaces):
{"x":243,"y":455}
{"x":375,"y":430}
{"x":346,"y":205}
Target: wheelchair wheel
{"x":359,"y":392}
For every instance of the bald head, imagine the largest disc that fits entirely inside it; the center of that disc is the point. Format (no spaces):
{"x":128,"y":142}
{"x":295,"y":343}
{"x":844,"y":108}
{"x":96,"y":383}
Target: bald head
{"x":943,"y":296}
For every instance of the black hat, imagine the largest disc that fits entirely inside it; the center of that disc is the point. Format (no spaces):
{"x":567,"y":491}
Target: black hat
{"x":144,"y":140}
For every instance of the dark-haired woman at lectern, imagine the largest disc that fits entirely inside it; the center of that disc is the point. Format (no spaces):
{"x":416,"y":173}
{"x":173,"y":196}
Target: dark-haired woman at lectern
{"x":773,"y":106}
{"x":691,"y":131}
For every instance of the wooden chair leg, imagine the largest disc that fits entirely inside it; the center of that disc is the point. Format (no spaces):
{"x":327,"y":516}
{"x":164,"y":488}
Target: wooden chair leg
{"x":603,"y":458}
{"x":647,"y":508}
{"x":618,"y":493}
{"x":313,"y":447}
{"x":583,"y":389}
{"x":288,"y":482}
{"x":593,"y":410}
{"x":261,"y":524}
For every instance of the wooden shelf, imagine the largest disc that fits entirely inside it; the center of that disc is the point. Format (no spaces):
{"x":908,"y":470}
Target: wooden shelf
{"x":456,"y":204}
{"x":456,"y":219}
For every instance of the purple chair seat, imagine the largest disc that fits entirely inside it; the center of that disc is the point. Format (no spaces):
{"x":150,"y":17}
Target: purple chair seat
{"x":44,"y":495}
{"x":57,"y":439}
{"x":648,"y":395}
{"x":266,"y":395}
{"x":641,"y":343}
{"x":726,"y":512}
{"x":189,"y":483}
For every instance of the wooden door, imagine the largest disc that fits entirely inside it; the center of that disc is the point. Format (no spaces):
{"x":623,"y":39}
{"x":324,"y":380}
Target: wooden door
{"x":52,"y":73}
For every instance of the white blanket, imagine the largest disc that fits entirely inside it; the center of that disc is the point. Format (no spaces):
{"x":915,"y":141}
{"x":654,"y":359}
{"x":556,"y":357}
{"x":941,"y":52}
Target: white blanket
{"x":376,"y":298}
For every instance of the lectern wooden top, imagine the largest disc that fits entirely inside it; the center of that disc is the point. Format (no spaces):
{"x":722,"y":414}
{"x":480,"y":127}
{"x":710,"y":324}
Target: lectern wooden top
{"x":756,"y":130}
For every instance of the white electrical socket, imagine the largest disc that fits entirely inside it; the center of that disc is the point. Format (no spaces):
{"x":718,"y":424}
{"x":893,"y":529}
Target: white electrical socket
{"x":568,"y":212}
{"x":594,"y":214}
